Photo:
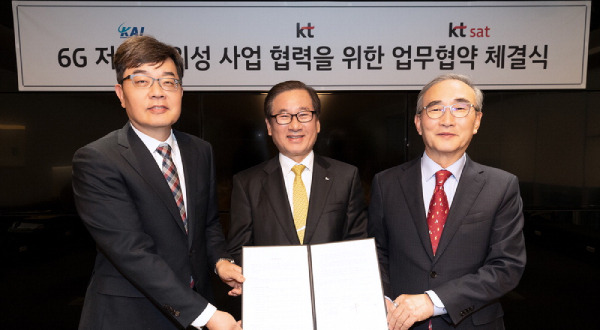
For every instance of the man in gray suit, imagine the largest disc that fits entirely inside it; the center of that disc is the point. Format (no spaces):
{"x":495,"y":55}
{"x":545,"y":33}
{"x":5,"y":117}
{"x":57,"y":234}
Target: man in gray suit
{"x":445,"y":261}
{"x":266,"y":208}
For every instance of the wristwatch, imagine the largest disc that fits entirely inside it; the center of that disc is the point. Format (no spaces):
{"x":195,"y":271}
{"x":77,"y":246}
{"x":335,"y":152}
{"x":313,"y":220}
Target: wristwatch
{"x":228,"y":259}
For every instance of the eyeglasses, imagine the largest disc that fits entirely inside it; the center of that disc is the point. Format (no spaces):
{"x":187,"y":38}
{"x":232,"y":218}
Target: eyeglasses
{"x":143,"y":81}
{"x":458,"y":110}
{"x":286,"y":118}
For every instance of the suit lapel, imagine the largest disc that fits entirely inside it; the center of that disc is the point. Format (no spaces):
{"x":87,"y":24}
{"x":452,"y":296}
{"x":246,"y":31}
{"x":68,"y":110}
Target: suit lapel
{"x":274,"y":189}
{"x":322,"y":179}
{"x":138,"y":156}
{"x":412,"y":188}
{"x":469,"y":187}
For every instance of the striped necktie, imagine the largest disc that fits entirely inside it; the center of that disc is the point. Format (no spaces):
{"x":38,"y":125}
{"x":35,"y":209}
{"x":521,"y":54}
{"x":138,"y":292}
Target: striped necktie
{"x":170,"y":172}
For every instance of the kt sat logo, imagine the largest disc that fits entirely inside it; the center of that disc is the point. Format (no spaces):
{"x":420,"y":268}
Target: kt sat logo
{"x":130,"y":31}
{"x":461,"y":30}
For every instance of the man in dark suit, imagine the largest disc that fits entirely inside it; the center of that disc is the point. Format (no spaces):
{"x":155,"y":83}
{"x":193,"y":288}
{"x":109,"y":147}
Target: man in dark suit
{"x":146,"y":193}
{"x":272,"y":205}
{"x":447,"y":268}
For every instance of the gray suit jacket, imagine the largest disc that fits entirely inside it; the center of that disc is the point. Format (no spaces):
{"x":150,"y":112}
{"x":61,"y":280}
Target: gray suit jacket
{"x":141,"y":277}
{"x":261,"y":214}
{"x":481,"y":255}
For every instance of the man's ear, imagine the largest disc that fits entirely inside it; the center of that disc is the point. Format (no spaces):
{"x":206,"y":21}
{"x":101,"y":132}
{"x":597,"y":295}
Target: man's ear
{"x":418,"y":123}
{"x":318,"y":125}
{"x":120,"y":94}
{"x":478,"y":116}
{"x":268,"y":127}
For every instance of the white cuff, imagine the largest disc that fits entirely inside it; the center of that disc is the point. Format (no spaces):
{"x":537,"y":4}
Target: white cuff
{"x":201,"y":320}
{"x":438,"y":305}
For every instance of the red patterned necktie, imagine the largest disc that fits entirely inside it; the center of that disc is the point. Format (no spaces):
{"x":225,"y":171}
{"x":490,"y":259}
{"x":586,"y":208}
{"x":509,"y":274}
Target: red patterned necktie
{"x":438,"y":209}
{"x":170,"y":172}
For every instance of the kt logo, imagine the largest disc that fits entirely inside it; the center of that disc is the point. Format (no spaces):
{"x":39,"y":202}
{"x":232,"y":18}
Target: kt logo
{"x":457,"y":31}
{"x":304,"y":31}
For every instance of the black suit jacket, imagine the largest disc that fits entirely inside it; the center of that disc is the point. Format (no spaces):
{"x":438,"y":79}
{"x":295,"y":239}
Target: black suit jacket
{"x":261,"y":214}
{"x":481,"y":255}
{"x":141,"y":277}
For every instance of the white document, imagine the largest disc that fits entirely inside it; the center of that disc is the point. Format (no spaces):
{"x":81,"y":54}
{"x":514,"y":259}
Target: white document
{"x":321,"y":287}
{"x":276,"y":293}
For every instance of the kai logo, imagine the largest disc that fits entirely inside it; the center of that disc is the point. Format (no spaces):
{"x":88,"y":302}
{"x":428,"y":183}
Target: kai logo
{"x":460,"y":31}
{"x":128,"y":31}
{"x":301,"y":30}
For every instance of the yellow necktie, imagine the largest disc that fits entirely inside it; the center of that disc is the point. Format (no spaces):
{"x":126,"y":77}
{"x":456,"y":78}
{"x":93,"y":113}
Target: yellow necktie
{"x":300,"y":202}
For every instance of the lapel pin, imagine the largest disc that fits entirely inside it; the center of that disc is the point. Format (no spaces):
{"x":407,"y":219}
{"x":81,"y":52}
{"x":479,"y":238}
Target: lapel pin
{"x":327,"y":178}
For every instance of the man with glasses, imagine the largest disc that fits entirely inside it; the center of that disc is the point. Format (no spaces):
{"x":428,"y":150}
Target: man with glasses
{"x":448,"y":230}
{"x":147,"y":195}
{"x":297,"y":197}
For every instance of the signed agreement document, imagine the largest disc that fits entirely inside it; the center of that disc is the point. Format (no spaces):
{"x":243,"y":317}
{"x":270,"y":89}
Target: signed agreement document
{"x":322,"y":287}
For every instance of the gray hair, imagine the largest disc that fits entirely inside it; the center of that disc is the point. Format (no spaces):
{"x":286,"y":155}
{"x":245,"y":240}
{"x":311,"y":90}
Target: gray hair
{"x":451,"y":76}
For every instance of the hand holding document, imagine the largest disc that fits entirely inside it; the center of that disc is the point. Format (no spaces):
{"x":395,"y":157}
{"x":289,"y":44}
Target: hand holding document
{"x":322,"y":286}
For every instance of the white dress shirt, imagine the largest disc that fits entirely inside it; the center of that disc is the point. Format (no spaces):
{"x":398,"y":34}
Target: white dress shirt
{"x":289,"y":176}
{"x":152,"y":144}
{"x":428,"y":170}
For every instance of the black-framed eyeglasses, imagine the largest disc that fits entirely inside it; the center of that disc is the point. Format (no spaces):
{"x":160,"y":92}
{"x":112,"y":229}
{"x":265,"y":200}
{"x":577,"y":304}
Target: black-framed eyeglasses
{"x":143,"y":81}
{"x":458,"y":110}
{"x":286,"y":118}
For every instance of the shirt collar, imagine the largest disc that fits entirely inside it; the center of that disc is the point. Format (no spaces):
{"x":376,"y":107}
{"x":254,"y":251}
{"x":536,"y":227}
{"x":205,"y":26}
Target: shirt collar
{"x":152,"y":143}
{"x":287,"y":163}
{"x":429,"y":167}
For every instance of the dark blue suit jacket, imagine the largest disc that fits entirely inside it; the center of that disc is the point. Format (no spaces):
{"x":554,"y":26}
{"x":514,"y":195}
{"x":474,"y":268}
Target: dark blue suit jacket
{"x":141,"y":277}
{"x":261,"y":214}
{"x":481,"y":255}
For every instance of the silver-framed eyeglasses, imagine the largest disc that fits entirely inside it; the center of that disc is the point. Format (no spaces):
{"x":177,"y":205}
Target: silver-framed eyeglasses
{"x":458,"y":110}
{"x":286,"y":118}
{"x":143,"y":81}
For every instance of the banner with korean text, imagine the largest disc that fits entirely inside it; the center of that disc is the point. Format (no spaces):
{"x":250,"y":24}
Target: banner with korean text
{"x":235,"y":46}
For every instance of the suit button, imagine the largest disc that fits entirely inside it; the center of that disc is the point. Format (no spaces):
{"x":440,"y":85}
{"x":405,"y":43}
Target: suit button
{"x":433,"y":274}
